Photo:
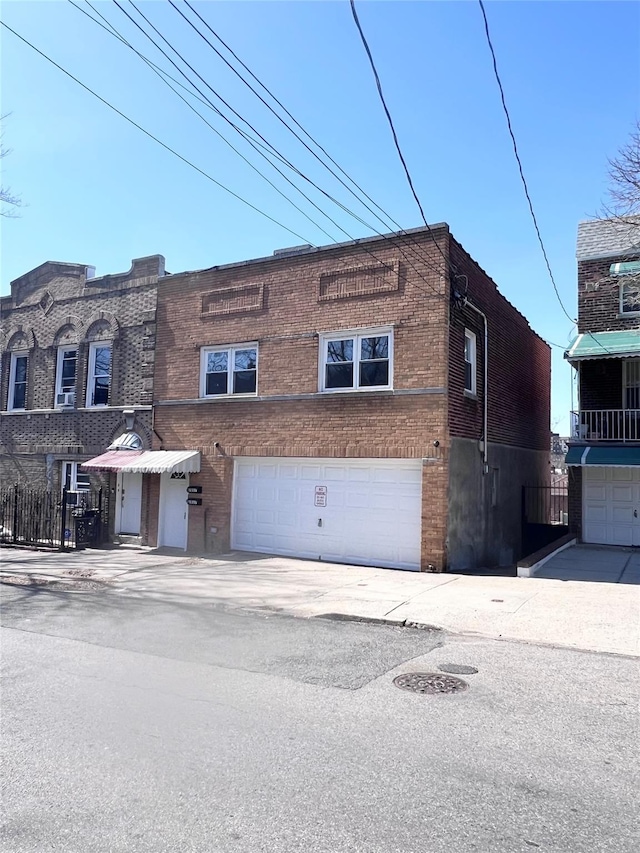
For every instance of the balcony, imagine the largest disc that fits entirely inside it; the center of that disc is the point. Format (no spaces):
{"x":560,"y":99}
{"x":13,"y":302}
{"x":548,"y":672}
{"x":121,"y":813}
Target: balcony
{"x":592,"y":425}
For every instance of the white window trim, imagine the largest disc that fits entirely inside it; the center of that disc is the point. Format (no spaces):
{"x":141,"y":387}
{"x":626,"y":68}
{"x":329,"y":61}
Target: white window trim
{"x":12,"y":379}
{"x":472,"y":337}
{"x":91,"y":367}
{"x":356,"y":334}
{"x":624,"y":313}
{"x":58,"y":389}
{"x":73,"y":478}
{"x":231,"y":350}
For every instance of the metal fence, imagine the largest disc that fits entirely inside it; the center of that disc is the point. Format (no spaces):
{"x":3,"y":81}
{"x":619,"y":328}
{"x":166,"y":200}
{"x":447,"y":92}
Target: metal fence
{"x":545,"y":504}
{"x":39,"y":518}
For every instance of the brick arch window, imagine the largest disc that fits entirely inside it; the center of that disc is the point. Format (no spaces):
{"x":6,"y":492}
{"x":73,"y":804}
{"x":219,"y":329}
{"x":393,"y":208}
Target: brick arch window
{"x":99,"y":363}
{"x":66,"y":343}
{"x":18,"y":348}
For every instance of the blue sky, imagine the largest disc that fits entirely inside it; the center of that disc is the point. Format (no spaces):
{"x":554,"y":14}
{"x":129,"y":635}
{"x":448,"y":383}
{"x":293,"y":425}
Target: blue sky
{"x":97,"y":191}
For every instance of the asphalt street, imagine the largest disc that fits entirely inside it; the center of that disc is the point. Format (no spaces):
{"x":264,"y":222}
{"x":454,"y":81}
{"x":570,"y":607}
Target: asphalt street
{"x":131,"y":725}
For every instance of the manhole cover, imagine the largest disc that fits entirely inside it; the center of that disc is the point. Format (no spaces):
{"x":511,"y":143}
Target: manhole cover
{"x":457,"y":668}
{"x":429,"y":682}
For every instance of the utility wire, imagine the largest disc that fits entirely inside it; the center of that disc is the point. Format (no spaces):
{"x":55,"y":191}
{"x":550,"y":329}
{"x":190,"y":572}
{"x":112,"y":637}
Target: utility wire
{"x":391,"y":125}
{"x":344,"y":231}
{"x":151,"y":136}
{"x":384,"y":221}
{"x":271,"y":147}
{"x":519,"y":162}
{"x":114,"y":32}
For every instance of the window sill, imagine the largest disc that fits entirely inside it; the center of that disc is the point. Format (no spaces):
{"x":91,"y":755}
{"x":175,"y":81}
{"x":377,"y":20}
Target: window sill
{"x":371,"y":389}
{"x":229,"y":397}
{"x":470,"y":395}
{"x":628,"y":315}
{"x":121,"y":408}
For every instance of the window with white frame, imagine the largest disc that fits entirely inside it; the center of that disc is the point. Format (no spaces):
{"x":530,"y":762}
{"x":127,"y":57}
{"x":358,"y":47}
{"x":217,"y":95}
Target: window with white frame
{"x":74,"y":479}
{"x":226,"y":371}
{"x":17,"y":398}
{"x":357,"y":360}
{"x":66,"y":374}
{"x":99,"y":374}
{"x":470,"y":362}
{"x":630,"y":296}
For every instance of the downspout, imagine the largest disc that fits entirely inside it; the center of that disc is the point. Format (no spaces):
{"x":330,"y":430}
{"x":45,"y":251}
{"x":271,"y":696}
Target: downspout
{"x":485,"y":437}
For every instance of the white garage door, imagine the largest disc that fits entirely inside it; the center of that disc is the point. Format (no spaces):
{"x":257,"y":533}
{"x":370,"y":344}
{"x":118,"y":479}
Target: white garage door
{"x":611,"y":506}
{"x":357,"y":511}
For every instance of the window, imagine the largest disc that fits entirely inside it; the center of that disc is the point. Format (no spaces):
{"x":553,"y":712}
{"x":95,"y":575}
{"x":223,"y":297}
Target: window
{"x":74,"y":479}
{"x":356,"y":361}
{"x":99,"y":375}
{"x":18,"y":381}
{"x":630,"y":296}
{"x":470,"y":362}
{"x":228,"y":370}
{"x":66,"y":376}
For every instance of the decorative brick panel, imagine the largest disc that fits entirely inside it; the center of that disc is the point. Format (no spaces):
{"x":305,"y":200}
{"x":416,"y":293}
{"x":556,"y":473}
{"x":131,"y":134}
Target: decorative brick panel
{"x":233,"y":300}
{"x":360,"y":281}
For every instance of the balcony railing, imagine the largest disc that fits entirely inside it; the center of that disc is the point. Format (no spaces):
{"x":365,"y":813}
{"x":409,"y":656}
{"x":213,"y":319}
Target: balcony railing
{"x":606,"y":425}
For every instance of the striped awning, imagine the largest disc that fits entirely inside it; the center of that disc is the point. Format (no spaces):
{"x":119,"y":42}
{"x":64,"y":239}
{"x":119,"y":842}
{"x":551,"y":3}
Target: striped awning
{"x":620,"y":344}
{"x":611,"y":457}
{"x":146,"y":461}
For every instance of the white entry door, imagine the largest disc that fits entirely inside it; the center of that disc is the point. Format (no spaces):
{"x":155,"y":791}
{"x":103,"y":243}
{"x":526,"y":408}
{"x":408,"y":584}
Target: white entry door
{"x":128,"y":503}
{"x":611,"y":506}
{"x":172,"y":523}
{"x":364,"y":511}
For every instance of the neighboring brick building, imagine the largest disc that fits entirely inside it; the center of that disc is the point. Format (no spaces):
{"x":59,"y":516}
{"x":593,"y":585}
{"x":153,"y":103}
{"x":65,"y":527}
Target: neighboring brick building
{"x":77,"y":373}
{"x":336,"y":397}
{"x":604,"y":451}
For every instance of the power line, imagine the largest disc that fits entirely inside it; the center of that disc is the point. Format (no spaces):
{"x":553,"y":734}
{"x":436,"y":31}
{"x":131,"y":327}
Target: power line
{"x":270,"y":146}
{"x":151,"y":136}
{"x":344,"y":231}
{"x":298,"y":137}
{"x":519,"y":162}
{"x":391,"y":125}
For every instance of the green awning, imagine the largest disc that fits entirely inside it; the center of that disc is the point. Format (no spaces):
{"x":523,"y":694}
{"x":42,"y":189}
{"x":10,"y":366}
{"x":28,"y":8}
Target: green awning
{"x":617,"y":457}
{"x":628,"y":268}
{"x":605,"y":345}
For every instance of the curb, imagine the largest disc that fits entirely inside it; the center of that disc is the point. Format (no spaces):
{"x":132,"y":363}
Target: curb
{"x":377,"y":620}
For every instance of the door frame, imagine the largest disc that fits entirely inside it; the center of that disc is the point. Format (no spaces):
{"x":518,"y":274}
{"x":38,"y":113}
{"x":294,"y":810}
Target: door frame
{"x":161,"y":508}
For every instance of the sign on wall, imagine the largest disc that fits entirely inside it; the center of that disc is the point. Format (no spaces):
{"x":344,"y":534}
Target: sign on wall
{"x":320,"y":496}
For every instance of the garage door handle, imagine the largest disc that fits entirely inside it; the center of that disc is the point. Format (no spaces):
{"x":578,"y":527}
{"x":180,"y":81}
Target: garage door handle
{"x":319,"y":522}
{"x":635,"y":513}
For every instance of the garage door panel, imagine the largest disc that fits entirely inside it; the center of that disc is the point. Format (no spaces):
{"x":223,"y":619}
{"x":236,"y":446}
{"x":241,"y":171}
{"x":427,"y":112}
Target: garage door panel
{"x":611,"y":497}
{"x":372,"y":514}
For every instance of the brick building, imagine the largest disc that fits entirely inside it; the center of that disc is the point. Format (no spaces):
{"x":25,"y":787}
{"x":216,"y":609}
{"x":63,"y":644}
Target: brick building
{"x":604,"y":449}
{"x":331,"y":403}
{"x":77,"y":375}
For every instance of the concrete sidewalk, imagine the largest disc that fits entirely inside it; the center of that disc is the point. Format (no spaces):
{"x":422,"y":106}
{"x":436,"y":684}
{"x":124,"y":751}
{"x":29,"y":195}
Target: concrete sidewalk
{"x":603,"y":617}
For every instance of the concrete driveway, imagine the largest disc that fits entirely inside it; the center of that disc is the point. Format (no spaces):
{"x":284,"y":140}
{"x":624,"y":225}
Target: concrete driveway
{"x":598,"y":563}
{"x":564,"y":612}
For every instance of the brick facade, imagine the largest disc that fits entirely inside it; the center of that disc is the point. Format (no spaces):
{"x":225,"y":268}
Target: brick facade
{"x":63,"y":304}
{"x":285,"y":303}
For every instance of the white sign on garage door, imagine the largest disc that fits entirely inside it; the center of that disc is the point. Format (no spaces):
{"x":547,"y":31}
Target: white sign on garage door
{"x":371,"y":513}
{"x":611,"y":506}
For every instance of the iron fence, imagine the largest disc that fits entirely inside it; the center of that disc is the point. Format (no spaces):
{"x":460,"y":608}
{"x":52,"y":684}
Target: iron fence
{"x":548,"y":504}
{"x":44,"y":519}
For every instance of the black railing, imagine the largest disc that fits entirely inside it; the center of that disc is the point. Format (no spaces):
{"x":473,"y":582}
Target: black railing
{"x":39,"y":518}
{"x":545,"y":515}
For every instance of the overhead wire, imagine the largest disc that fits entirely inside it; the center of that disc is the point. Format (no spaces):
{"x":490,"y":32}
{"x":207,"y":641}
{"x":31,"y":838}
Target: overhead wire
{"x":438,"y":272}
{"x":391,"y":124}
{"x":521,"y":170}
{"x":152,"y":136}
{"x":271,"y":147}
{"x":388,"y":216}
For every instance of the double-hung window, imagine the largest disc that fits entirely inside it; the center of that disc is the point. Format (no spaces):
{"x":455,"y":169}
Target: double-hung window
{"x":630,"y":296}
{"x":17,"y":399}
{"x":470,"y":362}
{"x":74,"y":479}
{"x":226,"y":371}
{"x":356,"y":360}
{"x":99,"y":374}
{"x":66,"y":374}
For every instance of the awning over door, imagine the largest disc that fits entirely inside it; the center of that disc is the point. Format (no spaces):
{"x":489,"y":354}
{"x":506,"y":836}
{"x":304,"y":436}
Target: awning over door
{"x":146,"y":461}
{"x":622,"y":344}
{"x":617,"y":457}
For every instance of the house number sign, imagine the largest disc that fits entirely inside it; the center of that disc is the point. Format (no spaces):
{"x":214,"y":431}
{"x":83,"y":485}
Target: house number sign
{"x":320,"y":497}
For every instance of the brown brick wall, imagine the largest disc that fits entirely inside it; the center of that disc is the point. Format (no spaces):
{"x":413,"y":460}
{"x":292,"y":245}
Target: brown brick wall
{"x":599,"y":298}
{"x":56,"y":303}
{"x":601,"y":384}
{"x":519,"y":366}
